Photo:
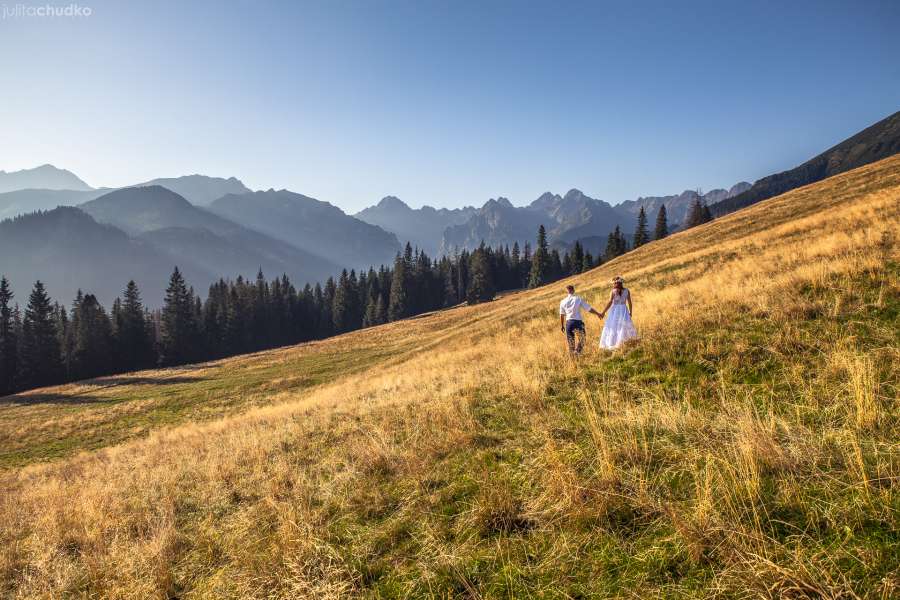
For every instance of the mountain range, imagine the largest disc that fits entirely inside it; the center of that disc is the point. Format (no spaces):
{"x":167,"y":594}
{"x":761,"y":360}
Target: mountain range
{"x":214,"y":227}
{"x":142,"y":232}
{"x":573,"y":216}
{"x":423,"y":227}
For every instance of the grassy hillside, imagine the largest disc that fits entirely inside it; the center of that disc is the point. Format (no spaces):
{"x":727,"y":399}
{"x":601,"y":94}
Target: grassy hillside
{"x":749,"y":446}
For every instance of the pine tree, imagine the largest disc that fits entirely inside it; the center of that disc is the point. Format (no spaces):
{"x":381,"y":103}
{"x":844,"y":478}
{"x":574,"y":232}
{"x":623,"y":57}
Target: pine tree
{"x":481,"y":285}
{"x":179,"y":331}
{"x":641,"y":236}
{"x":8,"y":341}
{"x":40,"y":351}
{"x":540,"y":261}
{"x":662,"y":224}
{"x":706,"y":217}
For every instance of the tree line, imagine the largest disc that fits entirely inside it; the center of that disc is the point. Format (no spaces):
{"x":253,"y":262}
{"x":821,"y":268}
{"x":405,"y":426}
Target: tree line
{"x":47,"y":343}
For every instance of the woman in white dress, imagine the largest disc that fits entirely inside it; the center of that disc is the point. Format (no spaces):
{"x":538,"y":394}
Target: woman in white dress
{"x":618,"y":328}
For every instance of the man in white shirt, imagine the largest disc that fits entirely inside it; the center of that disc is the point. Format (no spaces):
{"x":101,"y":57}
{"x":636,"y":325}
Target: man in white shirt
{"x":570,"y":320}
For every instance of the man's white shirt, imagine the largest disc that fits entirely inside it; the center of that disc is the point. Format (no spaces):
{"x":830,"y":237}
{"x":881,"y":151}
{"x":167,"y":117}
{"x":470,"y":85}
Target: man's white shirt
{"x":571,"y":306}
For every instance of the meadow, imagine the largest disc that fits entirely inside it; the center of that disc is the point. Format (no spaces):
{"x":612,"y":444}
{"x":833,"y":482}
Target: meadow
{"x":748,"y":446}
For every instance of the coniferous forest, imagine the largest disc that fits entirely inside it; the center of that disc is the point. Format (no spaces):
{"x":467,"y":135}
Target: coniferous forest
{"x":47,"y":343}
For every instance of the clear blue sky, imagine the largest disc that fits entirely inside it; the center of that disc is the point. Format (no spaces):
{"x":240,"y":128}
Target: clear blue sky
{"x":445,"y":103}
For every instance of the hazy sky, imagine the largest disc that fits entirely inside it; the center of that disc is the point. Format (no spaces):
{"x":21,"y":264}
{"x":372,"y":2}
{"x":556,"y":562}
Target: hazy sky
{"x":444,"y":103}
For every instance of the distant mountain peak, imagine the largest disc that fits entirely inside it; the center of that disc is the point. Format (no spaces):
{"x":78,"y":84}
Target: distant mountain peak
{"x":393,"y":202}
{"x":738,"y":188}
{"x":499,"y":201}
{"x":43,"y":177}
{"x":200,"y":190}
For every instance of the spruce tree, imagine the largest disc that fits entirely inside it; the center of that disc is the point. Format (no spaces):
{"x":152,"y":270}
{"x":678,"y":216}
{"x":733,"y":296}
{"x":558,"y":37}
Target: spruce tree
{"x":398,"y":306}
{"x":39,"y":351}
{"x":662,"y":224}
{"x":178,"y":331}
{"x":8,"y":341}
{"x":462,"y":276}
{"x":616,"y":244}
{"x":706,"y":216}
{"x":326,"y":320}
{"x":525,"y":266}
{"x":587,"y":263}
{"x":481,"y":285}
{"x":93,"y":340}
{"x":641,"y":235}
{"x":450,"y":295}
{"x":695,"y":214}
{"x":371,"y":316}
{"x":540,"y":261}
{"x":341,"y":312}
{"x":577,"y":258}
{"x":381,"y":311}
{"x":516,"y":265}
{"x":134,"y":347}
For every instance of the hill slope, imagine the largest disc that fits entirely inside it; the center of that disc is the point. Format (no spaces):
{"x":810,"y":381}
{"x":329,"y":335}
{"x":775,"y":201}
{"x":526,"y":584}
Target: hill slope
{"x":747,"y":447}
{"x":869,"y":145}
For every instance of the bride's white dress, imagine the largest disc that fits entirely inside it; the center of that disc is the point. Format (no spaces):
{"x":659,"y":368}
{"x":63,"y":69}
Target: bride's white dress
{"x":618,"y":327}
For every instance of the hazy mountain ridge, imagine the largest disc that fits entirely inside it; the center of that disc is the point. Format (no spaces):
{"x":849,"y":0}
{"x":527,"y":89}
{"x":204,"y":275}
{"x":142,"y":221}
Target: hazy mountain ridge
{"x":873,"y":143}
{"x":68,"y":250}
{"x":44,"y":177}
{"x":185,"y":232}
{"x":424,"y":226}
{"x":138,"y":210}
{"x":21,"y":202}
{"x":312,"y":225}
{"x":200,"y":190}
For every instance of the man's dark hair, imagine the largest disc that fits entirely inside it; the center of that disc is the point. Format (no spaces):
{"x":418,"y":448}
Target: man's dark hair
{"x":570,"y":288}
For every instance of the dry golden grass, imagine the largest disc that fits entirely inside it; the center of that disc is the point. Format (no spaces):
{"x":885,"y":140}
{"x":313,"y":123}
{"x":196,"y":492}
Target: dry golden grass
{"x":746,"y":447}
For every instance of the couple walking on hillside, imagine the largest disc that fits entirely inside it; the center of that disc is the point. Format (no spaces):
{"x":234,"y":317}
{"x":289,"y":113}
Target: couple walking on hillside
{"x":618,"y":327}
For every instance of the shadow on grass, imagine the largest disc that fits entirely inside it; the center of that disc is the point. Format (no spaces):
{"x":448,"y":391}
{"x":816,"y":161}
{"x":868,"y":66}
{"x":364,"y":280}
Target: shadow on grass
{"x":50,"y":398}
{"x":93,"y":385}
